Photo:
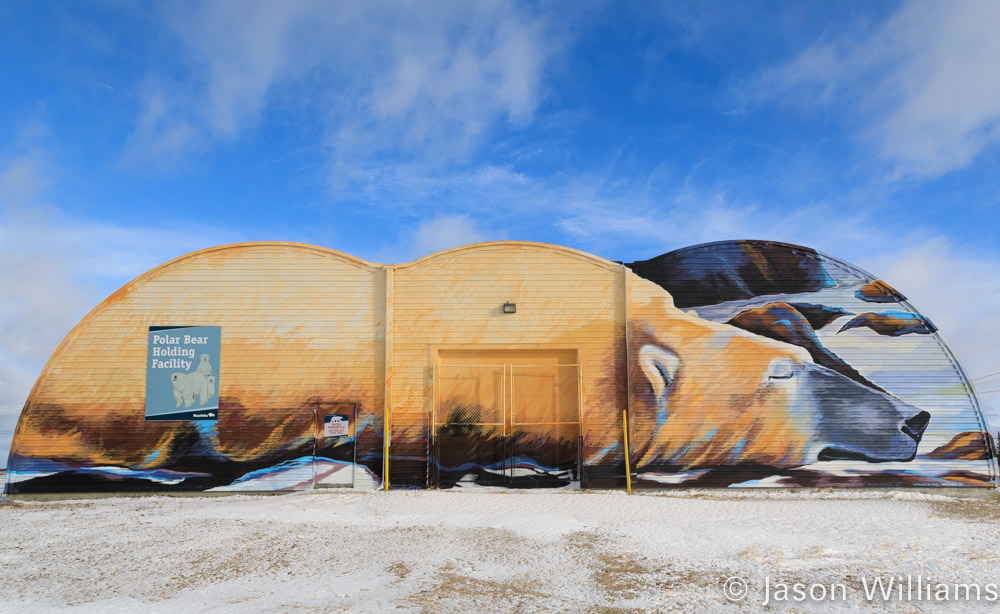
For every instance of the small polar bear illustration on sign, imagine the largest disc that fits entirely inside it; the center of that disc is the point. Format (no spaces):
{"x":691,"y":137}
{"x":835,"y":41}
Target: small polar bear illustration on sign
{"x":209,"y":391}
{"x":204,"y":367}
{"x":187,"y":386}
{"x":183,"y":388}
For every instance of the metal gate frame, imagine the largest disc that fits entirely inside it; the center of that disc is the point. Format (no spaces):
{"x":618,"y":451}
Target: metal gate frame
{"x":433,"y":457}
{"x":577,"y":371}
{"x":507,"y":422}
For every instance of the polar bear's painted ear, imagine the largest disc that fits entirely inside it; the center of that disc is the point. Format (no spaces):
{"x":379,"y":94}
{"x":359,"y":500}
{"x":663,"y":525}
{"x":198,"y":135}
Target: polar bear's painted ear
{"x":660,"y":366}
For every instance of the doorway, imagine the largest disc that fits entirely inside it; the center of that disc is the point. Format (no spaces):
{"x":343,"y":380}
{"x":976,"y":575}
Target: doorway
{"x":506,"y":417}
{"x":335,"y":454}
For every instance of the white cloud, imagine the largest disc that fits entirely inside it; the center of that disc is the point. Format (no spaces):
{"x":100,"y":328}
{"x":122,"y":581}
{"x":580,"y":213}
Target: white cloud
{"x":38,"y":288}
{"x":163,"y":135}
{"x":397,"y":78}
{"x":925,"y":83}
{"x":15,"y":383}
{"x":640,"y":223}
{"x":597,"y":218}
{"x":606,"y":214}
{"x":447,"y":231}
{"x":22,"y":181}
{"x":960,"y":292}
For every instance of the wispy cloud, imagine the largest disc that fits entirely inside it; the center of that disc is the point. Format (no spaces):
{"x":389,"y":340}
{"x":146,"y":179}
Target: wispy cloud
{"x":960,"y":291}
{"x":924,"y":85}
{"x":447,"y":231}
{"x":22,"y":181}
{"x":164,"y":133}
{"x":956,"y":288}
{"x":397,"y":79}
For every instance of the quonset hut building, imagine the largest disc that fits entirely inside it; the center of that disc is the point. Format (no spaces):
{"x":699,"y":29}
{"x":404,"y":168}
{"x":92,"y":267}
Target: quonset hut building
{"x":279,"y":366}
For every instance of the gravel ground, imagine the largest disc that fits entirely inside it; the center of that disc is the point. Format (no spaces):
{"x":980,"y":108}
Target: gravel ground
{"x":483,"y":551}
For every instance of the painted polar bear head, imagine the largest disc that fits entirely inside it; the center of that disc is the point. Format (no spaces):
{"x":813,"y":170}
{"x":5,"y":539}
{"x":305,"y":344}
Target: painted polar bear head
{"x":711,"y":395}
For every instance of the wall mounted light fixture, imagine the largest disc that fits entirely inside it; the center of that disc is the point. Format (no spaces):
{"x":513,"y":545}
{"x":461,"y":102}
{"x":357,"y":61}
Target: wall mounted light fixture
{"x":509,"y":307}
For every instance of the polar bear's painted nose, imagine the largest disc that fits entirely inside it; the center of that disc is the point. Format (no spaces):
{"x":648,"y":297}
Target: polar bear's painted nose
{"x":915,"y":425}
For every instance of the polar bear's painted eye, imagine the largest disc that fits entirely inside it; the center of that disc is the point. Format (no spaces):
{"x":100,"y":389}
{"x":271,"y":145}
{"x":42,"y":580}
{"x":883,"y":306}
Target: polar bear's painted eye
{"x":781,"y":368}
{"x":660,"y":366}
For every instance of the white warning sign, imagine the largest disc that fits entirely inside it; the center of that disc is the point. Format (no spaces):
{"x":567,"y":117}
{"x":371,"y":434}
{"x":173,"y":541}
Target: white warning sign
{"x":335,"y":425}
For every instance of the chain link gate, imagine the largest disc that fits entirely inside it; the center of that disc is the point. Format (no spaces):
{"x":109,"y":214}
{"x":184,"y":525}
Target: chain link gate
{"x":506,"y":425}
{"x":468,"y":425}
{"x":545,"y":438}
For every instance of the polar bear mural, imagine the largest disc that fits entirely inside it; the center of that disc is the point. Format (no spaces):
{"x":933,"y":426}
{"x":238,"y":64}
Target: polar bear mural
{"x":843,"y":406}
{"x":710,"y":395}
{"x":739,"y":364}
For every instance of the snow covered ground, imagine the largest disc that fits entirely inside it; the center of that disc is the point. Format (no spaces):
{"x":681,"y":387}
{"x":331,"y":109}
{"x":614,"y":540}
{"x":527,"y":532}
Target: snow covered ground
{"x":476,"y":550}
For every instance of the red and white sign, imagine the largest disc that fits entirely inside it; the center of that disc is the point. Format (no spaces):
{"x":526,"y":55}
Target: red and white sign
{"x":335,"y":425}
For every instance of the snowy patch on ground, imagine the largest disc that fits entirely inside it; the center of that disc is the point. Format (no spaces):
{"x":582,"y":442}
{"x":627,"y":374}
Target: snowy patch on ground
{"x":485,"y":550}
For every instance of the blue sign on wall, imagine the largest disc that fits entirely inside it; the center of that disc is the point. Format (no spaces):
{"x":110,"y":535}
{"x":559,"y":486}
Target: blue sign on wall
{"x":182,"y":373}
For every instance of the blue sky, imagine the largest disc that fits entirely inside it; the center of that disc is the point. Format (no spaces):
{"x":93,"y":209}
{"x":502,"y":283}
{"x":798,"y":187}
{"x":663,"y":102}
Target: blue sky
{"x":131,"y":133}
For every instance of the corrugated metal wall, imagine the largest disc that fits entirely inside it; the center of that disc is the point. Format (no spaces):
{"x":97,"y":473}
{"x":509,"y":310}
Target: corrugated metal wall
{"x":741,"y":363}
{"x":565,"y":299}
{"x":302,"y":328}
{"x":871,"y":367}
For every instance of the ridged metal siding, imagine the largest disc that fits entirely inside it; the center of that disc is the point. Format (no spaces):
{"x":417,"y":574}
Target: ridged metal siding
{"x":453,"y":299}
{"x":918,"y":369}
{"x":302,"y":329}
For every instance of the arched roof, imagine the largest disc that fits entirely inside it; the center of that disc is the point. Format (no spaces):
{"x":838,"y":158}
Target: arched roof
{"x":474,"y":247}
{"x":180,"y":261}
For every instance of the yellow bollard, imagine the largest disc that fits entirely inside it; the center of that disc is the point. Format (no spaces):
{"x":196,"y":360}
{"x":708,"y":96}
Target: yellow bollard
{"x":385,"y":460}
{"x":628,"y":467}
